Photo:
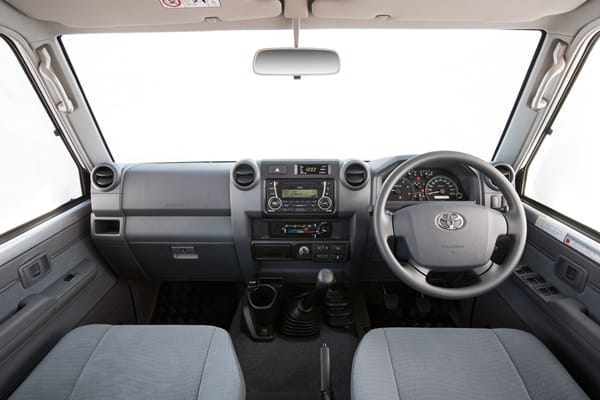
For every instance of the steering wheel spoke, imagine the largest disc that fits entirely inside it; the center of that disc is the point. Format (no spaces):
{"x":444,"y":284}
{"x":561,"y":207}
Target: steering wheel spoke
{"x":513,"y":225}
{"x":387,"y":226}
{"x":401,"y":222}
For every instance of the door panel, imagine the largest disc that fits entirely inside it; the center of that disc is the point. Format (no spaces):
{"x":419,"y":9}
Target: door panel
{"x":67,"y":283}
{"x":567,"y":320}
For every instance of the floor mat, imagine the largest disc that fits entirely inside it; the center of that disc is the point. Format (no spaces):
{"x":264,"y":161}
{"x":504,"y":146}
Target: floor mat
{"x":287,"y":368}
{"x":196,"y":303}
{"x":395,"y":305}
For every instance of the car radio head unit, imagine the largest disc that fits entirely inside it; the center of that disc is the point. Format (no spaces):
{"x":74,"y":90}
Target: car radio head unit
{"x":292,"y":196}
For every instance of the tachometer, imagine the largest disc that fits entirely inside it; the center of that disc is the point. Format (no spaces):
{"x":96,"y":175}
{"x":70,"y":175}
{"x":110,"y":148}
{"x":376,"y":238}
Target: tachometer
{"x":420,"y":176}
{"x":404,"y":190}
{"x":441,"y":187}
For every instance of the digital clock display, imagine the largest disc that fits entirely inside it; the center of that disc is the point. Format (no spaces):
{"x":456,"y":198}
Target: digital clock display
{"x":313,"y":169}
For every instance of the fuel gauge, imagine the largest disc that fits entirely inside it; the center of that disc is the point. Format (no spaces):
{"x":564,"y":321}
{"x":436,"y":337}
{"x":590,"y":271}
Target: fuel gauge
{"x":403,"y":190}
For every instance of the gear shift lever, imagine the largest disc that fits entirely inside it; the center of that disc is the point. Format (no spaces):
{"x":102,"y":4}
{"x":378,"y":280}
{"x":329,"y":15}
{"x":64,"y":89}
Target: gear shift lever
{"x":325,"y":279}
{"x":302,"y":317}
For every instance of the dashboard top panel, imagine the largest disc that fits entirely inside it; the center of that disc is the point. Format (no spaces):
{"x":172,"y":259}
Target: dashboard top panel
{"x":176,"y":189}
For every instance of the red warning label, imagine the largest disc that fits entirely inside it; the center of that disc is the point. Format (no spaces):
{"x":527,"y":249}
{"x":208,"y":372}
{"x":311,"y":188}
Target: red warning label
{"x":171,"y":3}
{"x":190,"y":3}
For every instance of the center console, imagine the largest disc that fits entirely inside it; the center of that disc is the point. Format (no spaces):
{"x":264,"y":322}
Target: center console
{"x":300,"y":220}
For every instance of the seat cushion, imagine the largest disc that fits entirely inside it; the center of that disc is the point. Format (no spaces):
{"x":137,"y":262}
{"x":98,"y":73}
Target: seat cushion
{"x":419,"y":363}
{"x":138,"y":362}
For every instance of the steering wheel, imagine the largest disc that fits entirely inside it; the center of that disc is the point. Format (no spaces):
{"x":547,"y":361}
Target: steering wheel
{"x":450,"y":236}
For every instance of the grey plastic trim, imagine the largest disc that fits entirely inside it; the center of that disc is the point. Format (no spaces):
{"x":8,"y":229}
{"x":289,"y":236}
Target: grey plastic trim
{"x":39,"y":263}
{"x":34,"y":311}
{"x":65,"y":104}
{"x":257,"y":177}
{"x":42,"y":232}
{"x":185,"y":189}
{"x":176,"y":228}
{"x":32,"y":61}
{"x":499,"y":166}
{"x":118,"y":235}
{"x":539,"y":101}
{"x":73,"y":282}
{"x":573,"y":314}
{"x":560,"y":231}
{"x":117,"y":177}
{"x":574,"y":56}
{"x":345,"y":166}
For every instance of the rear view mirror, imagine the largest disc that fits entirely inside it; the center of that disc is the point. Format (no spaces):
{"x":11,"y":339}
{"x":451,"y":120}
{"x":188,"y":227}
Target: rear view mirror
{"x":296,"y":62}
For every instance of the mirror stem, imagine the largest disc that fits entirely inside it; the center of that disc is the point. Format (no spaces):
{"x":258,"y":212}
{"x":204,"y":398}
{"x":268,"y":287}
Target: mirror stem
{"x":296,"y":23}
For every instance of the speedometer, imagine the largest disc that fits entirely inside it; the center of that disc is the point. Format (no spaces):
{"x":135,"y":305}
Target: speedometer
{"x":441,"y":187}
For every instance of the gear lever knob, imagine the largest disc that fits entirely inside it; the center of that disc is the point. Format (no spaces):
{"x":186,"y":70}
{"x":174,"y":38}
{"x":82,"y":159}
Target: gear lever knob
{"x":325,"y":278}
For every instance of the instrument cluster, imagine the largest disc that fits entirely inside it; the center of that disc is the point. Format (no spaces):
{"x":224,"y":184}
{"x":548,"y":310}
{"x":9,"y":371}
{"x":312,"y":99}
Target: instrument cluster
{"x":428,"y":184}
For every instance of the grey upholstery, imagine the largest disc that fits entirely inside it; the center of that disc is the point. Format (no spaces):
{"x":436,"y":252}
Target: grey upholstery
{"x":418,"y":363}
{"x":138,"y":362}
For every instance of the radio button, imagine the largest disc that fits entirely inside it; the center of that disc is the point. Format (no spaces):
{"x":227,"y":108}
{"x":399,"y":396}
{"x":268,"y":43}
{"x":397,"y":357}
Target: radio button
{"x":338,"y":249}
{"x":324,"y":203}
{"x":274,"y":203}
{"x":322,"y":257}
{"x":321,"y":248}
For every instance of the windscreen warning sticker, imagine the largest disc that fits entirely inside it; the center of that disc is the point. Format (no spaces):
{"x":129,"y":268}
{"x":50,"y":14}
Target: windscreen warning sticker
{"x":190,"y":3}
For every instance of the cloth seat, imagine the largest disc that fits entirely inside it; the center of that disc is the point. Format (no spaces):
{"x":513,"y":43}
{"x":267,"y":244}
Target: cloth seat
{"x":440,"y":363}
{"x":138,"y":362}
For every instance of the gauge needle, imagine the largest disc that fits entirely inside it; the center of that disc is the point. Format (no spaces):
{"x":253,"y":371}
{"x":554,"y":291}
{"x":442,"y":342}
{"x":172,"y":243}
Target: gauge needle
{"x":439,"y":191}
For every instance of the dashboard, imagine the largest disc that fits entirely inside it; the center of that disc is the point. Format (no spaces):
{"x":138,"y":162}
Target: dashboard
{"x":283,"y":219}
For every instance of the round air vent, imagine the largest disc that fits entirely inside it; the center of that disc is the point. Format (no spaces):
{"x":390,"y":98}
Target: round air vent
{"x":245,"y":174}
{"x":506,"y":170}
{"x":355,"y":174}
{"x":104,"y":177}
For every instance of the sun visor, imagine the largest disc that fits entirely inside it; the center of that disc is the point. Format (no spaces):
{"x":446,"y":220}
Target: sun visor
{"x":122,"y":13}
{"x":445,"y":10}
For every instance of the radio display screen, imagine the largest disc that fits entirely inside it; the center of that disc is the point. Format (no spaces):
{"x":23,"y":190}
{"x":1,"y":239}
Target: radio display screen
{"x":299,"y":193}
{"x":313,"y":169}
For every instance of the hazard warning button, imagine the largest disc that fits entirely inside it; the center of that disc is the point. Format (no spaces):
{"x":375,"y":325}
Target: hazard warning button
{"x":277,"y":169}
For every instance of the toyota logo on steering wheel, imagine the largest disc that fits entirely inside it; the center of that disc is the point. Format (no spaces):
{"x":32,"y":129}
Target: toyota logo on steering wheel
{"x":450,"y":221}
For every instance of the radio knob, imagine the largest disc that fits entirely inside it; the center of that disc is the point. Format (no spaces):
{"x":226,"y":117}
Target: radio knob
{"x":324,"y":203}
{"x":303,"y":251}
{"x":274,"y":203}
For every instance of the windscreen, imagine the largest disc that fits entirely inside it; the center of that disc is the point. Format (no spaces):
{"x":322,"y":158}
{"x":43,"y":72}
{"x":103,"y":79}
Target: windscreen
{"x":193,"y":96}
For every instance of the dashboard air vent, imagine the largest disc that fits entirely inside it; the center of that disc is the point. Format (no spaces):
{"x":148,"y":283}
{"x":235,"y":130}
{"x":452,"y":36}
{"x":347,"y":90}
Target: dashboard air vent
{"x":506,"y":170}
{"x":355,"y":174}
{"x":244,"y":174}
{"x":104,"y":177}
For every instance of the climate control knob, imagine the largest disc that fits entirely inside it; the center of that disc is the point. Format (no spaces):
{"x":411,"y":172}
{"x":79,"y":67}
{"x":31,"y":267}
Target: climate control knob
{"x":274,"y":203}
{"x":325,"y":203}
